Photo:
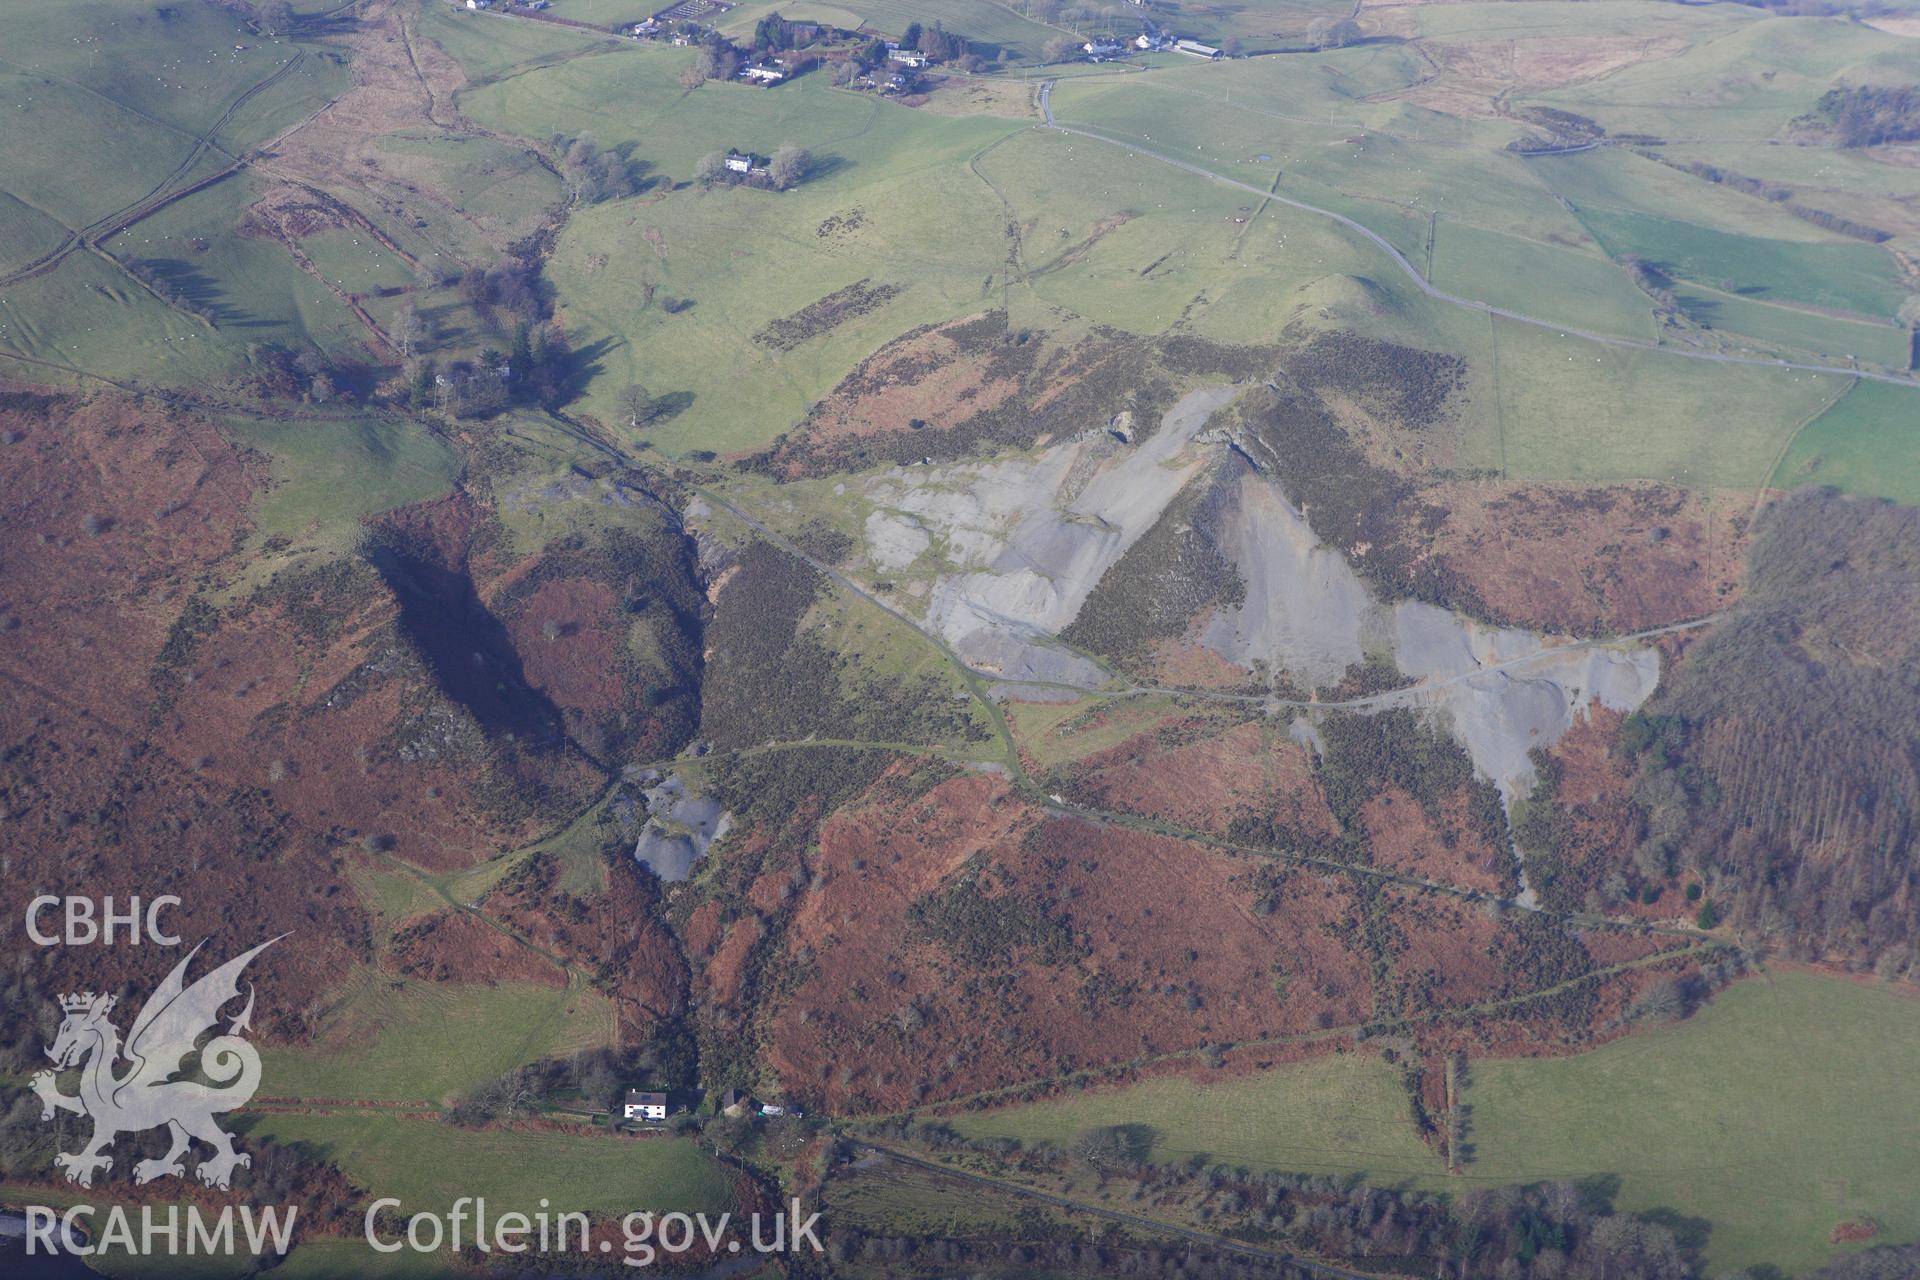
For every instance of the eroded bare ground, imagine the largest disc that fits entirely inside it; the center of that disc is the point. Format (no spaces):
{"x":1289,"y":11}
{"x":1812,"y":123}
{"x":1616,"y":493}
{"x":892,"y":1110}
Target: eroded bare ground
{"x":1363,"y":433}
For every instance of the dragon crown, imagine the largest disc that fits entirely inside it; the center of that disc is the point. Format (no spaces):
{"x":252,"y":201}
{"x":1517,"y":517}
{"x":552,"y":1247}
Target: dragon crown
{"x":85,"y":1000}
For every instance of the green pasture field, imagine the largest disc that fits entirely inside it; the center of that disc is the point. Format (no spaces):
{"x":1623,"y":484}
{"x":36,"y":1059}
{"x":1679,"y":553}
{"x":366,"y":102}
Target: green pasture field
{"x":427,"y":1164}
{"x":1568,"y":408}
{"x":1576,"y":410}
{"x":1808,"y":332}
{"x":1500,"y":20}
{"x":1856,"y":172}
{"x":1257,"y":24}
{"x":911,"y":214}
{"x":76,"y":157}
{"x":498,"y":186}
{"x":490,"y":46}
{"x":89,"y":314}
{"x":629,"y":94}
{"x":1616,"y":180}
{"x":178,"y":68}
{"x":1490,"y":188}
{"x":1582,"y":289}
{"x":1219,"y":116}
{"x":1333,"y":89}
{"x":25,"y":233}
{"x":1784,"y":1107}
{"x":1750,"y":248}
{"x":354,"y":261}
{"x":612,"y":14}
{"x":331,"y":472}
{"x":988,"y":25}
{"x":1314,"y":121}
{"x":1869,"y":442}
{"x":1848,"y":183}
{"x":1844,"y":276}
{"x":249,"y":286}
{"x":1123,"y":240}
{"x":1339,"y":1114}
{"x":104,"y":101}
{"x":1713,"y":92}
{"x":1390,"y":181}
{"x":391,"y":1039}
{"x":741,"y":20}
{"x":1726,"y":1117}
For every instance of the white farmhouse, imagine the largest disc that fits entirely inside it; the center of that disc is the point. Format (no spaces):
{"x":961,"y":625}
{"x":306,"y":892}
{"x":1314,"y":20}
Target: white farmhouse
{"x":641,"y":1105}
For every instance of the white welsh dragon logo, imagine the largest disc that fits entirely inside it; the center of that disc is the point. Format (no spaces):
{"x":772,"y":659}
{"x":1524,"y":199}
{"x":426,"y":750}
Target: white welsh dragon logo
{"x":146,"y":1096}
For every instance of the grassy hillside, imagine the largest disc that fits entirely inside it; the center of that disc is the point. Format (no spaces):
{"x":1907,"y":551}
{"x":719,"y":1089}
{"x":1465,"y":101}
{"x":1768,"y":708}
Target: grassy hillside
{"x":1720,"y":96}
{"x":331,"y":472}
{"x":1868,"y":442}
{"x":990,"y":26}
{"x":1506,"y":270}
{"x":488,"y":46}
{"x":1731,"y":1117}
{"x":1845,"y":276}
{"x":1725,"y":1118}
{"x":1574,"y":410}
{"x":947,"y":215}
{"x":1124,"y":241}
{"x":515,"y":1170}
{"x":107,"y":100}
{"x":1791,"y":327}
{"x":1339,"y":140}
{"x":910,"y":214}
{"x":1343,"y":1114}
{"x":406,"y":1041}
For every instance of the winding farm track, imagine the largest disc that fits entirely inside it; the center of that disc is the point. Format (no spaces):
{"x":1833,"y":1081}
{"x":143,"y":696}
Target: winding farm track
{"x":1453,"y":299}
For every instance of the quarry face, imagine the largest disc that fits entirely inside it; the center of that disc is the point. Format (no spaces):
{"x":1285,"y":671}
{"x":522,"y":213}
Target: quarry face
{"x":1020,"y":543}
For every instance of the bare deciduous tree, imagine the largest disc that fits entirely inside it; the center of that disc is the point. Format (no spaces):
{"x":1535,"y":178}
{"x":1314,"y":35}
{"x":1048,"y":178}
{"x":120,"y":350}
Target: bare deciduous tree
{"x":789,"y":166}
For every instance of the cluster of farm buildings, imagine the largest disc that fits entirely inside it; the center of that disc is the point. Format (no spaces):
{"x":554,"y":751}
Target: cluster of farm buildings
{"x":685,"y":24}
{"x":645,"y":1106}
{"x":1150,"y":40}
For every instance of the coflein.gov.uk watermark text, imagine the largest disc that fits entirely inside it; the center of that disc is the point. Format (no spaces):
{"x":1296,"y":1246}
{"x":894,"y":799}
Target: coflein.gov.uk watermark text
{"x":644,"y":1237}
